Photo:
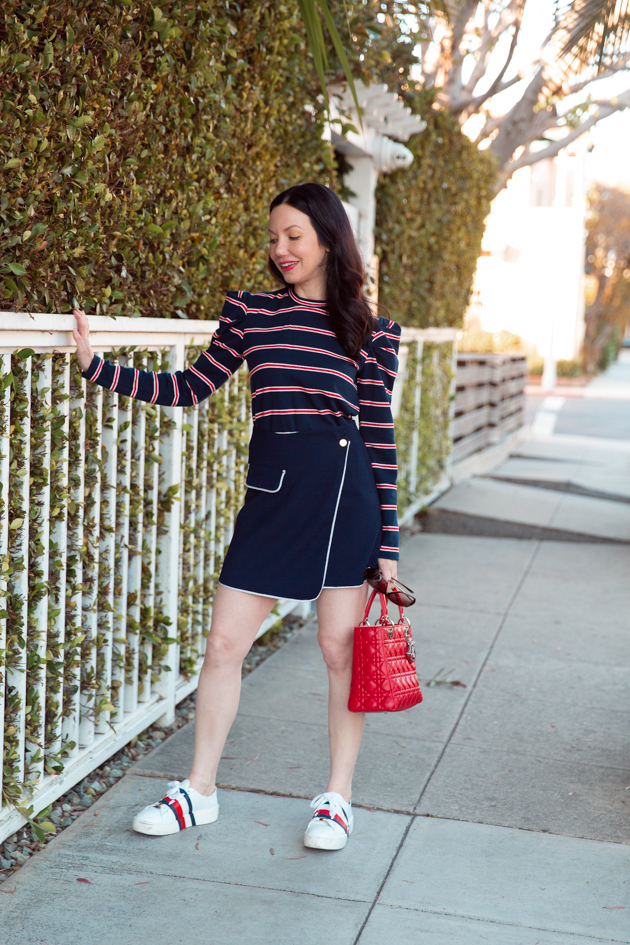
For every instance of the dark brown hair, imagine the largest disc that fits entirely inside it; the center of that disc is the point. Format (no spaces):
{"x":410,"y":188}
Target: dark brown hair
{"x":348,"y":308}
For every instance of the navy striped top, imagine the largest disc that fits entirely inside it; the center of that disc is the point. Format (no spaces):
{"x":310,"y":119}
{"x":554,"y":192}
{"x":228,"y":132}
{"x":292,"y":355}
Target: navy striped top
{"x":300,"y":377}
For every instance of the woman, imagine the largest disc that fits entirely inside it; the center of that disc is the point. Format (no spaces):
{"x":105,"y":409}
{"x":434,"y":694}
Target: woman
{"x":321,"y":500}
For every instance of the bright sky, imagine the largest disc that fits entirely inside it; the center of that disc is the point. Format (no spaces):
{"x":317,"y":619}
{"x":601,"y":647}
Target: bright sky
{"x":608,"y":162}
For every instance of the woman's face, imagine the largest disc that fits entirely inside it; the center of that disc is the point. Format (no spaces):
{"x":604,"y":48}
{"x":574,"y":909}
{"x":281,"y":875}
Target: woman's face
{"x":294,"y":247}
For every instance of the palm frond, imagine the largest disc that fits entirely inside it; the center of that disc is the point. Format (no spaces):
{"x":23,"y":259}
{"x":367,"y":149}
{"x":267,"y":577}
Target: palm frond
{"x":594,"y":33}
{"x":311,"y":10}
{"x":314,"y":11}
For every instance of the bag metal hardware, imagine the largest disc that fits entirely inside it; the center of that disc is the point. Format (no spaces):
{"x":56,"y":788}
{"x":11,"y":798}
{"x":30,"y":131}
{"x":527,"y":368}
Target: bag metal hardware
{"x":385,"y":621}
{"x":411,"y":646}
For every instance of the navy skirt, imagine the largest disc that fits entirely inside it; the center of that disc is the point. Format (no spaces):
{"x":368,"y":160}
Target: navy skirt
{"x":311,"y":517}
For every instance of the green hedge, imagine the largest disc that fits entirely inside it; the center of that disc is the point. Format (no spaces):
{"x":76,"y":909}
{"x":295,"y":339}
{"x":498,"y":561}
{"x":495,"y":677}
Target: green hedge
{"x":430,"y":221}
{"x":140,"y":148}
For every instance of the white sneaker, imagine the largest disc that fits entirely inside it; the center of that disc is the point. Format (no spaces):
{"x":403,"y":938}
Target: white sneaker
{"x":332,"y":822}
{"x":181,"y":807}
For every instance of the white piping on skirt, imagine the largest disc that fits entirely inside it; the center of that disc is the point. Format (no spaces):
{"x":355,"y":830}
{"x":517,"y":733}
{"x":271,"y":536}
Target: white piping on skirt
{"x":298,"y":600}
{"x":260,"y":489}
{"x":255,"y":593}
{"x":340,"y":587}
{"x":332,"y":527}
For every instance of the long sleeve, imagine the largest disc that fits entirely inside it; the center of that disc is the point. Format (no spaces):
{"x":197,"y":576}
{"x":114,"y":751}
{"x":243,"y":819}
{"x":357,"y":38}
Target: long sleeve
{"x":375,"y":379}
{"x":196,"y":383}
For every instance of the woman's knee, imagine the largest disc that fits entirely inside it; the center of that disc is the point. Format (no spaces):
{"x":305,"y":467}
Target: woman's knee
{"x":337,"y":652}
{"x":222,"y":649}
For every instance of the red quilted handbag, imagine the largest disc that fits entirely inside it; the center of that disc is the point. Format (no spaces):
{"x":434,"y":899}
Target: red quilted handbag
{"x":383,"y":664}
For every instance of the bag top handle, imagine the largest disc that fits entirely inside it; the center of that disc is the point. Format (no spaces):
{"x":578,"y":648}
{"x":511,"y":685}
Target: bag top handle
{"x":384,"y":614}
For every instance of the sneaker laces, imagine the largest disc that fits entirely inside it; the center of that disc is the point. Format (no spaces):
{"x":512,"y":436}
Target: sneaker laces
{"x":173,"y":790}
{"x":335,"y":806}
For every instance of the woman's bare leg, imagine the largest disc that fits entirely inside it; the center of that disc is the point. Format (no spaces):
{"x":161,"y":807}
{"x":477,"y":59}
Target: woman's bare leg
{"x":236,"y":619}
{"x":339,"y":610}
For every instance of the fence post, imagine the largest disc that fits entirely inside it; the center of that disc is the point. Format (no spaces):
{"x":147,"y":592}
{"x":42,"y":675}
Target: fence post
{"x":168,"y":542}
{"x":89,"y":601}
{"x":59,"y":537}
{"x":41,"y":387}
{"x":123,"y":485}
{"x":5,"y":408}
{"x":74,"y":600}
{"x":451,"y":415}
{"x":135,"y":537}
{"x":16,"y":675}
{"x":415,"y":436}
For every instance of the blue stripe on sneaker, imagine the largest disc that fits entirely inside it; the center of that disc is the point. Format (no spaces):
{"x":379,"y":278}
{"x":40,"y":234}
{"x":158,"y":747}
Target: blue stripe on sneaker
{"x":190,"y":807}
{"x":172,"y":808}
{"x":326,"y":815}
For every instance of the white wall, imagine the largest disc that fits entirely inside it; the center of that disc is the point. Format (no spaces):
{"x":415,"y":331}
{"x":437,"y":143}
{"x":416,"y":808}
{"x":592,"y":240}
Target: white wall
{"x":529,"y":279}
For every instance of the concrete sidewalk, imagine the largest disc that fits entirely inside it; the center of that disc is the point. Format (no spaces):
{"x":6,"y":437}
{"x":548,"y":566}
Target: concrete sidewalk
{"x":496,"y":812}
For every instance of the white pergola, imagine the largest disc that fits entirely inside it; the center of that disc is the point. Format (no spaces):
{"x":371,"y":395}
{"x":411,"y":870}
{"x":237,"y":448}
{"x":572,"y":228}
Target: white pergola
{"x":374,"y":148}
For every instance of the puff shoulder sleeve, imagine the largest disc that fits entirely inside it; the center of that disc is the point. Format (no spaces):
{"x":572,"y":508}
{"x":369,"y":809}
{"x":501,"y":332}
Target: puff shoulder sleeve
{"x":377,"y":372}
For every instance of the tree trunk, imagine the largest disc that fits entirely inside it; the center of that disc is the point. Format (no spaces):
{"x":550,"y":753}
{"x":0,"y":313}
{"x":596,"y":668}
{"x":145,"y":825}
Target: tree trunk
{"x":453,"y":85}
{"x":516,"y":126}
{"x":590,"y":351}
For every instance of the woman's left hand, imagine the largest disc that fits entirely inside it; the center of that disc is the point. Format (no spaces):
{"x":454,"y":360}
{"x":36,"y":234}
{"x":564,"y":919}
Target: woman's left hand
{"x":388,"y":568}
{"x":81,"y":335}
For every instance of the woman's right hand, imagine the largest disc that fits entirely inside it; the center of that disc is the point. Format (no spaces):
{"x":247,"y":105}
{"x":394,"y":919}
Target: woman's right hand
{"x":81,"y":335}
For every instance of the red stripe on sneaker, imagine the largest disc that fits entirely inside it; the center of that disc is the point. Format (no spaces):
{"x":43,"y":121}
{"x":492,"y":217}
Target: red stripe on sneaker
{"x":176,"y":807}
{"x":325,"y":814}
{"x":180,"y":813}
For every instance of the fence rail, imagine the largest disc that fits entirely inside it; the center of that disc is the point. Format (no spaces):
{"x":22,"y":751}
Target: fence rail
{"x":114,"y":519}
{"x":489,"y":400}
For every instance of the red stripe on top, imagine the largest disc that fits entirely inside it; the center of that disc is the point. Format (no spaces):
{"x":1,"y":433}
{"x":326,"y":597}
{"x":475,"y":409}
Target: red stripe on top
{"x":286,"y":347}
{"x":301,"y":367}
{"x":216,"y":363}
{"x":305,"y":328}
{"x":202,"y":377}
{"x":279,"y":413}
{"x":304,"y":390}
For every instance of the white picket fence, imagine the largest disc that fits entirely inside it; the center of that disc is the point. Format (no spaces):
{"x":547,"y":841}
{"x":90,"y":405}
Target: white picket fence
{"x":126,"y":527}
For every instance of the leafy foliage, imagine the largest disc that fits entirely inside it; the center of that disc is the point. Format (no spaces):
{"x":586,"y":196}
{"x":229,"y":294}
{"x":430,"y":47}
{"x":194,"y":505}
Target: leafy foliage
{"x":140,"y":148}
{"x":596,"y":32}
{"x":382,"y":37}
{"x":423,"y":426}
{"x":607,"y":275}
{"x":430,"y":222}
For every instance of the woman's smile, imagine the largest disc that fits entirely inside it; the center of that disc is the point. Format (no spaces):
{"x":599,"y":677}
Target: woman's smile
{"x":290,"y":229}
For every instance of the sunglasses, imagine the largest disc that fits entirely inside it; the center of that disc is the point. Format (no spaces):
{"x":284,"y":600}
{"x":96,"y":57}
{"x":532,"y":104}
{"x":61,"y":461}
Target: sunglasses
{"x":399,"y":594}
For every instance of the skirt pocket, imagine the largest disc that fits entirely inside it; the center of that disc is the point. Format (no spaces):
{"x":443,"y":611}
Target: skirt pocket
{"x":264,"y":478}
